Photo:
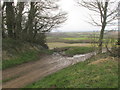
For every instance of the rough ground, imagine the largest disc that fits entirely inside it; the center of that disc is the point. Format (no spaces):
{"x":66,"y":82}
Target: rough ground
{"x":24,"y":74}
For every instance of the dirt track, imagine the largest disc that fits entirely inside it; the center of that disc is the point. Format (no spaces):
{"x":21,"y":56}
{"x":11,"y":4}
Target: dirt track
{"x":28,"y":73}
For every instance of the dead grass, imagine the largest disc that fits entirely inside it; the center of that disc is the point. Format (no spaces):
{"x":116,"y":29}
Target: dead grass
{"x":102,"y":60}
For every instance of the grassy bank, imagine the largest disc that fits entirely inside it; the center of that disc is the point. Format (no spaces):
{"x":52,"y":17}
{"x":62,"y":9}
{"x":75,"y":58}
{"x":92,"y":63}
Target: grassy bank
{"x":21,"y":58}
{"x":74,"y":50}
{"x":16,"y":52}
{"x":100,"y":71}
{"x":78,"y":50}
{"x":24,"y":57}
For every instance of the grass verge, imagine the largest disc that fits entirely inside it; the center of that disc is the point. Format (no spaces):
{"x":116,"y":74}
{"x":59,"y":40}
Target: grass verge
{"x":27,"y":56}
{"x":78,"y":50}
{"x":88,"y":74}
{"x":19,"y":59}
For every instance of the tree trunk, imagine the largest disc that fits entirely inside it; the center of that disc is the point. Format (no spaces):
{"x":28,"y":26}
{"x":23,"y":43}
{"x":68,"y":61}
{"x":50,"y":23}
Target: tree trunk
{"x":2,"y":25}
{"x":10,"y":18}
{"x":104,"y":16}
{"x":29,"y":24}
{"x":19,"y":19}
{"x":31,"y":18}
{"x":118,"y":24}
{"x":101,"y":39}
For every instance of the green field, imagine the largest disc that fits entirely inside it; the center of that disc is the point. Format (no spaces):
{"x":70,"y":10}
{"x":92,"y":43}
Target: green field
{"x":100,"y":71}
{"x":82,"y":38}
{"x":69,"y":37}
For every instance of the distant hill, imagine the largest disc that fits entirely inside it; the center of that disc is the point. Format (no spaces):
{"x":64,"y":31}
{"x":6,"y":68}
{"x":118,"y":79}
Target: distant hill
{"x":70,"y":34}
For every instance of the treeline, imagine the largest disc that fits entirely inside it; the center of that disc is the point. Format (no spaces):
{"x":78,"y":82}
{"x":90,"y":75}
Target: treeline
{"x":29,"y":21}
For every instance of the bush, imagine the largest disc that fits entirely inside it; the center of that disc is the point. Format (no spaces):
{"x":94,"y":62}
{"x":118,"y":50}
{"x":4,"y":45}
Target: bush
{"x":115,"y":51}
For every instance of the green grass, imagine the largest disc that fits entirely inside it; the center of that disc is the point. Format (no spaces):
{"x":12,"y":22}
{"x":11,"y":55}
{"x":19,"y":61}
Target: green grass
{"x":24,"y":57}
{"x":82,"y":38}
{"x":78,"y":50}
{"x":85,"y":38}
{"x":83,"y":75}
{"x":46,"y":51}
{"x":21,"y":58}
{"x":16,"y":52}
{"x":72,"y":40}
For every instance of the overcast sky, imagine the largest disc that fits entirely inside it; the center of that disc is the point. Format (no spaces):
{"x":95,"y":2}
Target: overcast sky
{"x":77,"y":17}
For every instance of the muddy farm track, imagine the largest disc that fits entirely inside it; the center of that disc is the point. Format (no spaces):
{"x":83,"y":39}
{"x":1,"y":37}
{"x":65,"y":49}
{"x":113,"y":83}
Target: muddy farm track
{"x":30,"y":72}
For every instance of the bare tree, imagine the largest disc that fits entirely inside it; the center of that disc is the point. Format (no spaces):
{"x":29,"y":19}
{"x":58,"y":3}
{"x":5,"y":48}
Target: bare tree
{"x":106,"y":11}
{"x":43,"y":16}
{"x":10,"y":18}
{"x":19,"y":13}
{"x":2,"y":25}
{"x":30,"y":21}
{"x":118,"y":24}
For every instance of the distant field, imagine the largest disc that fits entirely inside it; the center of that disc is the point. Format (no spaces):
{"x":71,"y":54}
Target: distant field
{"x":59,"y":44}
{"x":60,"y":39}
{"x":82,"y":38}
{"x":73,"y":37}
